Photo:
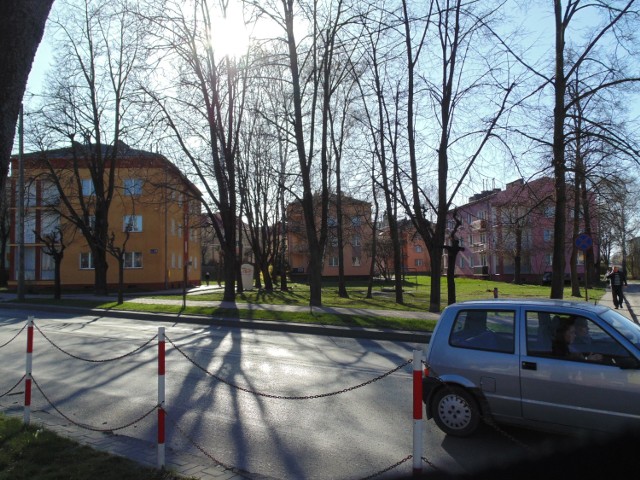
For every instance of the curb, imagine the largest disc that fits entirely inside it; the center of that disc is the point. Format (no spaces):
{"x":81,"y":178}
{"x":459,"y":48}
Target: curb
{"x":408,"y":336}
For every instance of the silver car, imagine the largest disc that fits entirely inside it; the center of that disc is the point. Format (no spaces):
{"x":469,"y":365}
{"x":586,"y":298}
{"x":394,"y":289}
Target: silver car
{"x":547,"y":364}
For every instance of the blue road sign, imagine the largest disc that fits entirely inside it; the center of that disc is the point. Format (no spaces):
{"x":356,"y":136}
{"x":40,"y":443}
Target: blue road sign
{"x":584,"y":241}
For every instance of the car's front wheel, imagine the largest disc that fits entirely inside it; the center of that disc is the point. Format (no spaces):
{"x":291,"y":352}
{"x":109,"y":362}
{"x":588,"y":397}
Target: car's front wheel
{"x":455,"y":411}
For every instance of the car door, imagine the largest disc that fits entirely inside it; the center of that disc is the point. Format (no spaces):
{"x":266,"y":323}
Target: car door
{"x":585,"y":388}
{"x":477,"y":349}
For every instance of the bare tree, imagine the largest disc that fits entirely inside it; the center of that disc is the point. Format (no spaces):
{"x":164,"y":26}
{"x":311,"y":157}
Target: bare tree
{"x":86,"y":105}
{"x":54,"y":245}
{"x":457,"y":25}
{"x":203,"y":111}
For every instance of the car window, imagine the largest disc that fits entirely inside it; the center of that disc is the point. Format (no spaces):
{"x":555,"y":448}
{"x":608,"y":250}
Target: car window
{"x":570,"y":337}
{"x":623,"y":325}
{"x":491,"y":330}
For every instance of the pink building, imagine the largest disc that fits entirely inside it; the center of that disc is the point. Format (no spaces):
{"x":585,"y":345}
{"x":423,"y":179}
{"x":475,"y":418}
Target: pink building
{"x":501,"y":228}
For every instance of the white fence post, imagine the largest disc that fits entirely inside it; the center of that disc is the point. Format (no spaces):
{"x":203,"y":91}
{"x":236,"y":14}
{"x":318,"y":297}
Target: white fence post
{"x":27,"y":377}
{"x":161,"y":412}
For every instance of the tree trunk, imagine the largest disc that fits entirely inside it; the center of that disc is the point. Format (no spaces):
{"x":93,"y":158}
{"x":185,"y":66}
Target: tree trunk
{"x":121,"y":280}
{"x":559,"y":167}
{"x":22,"y":25}
{"x":57,"y":288}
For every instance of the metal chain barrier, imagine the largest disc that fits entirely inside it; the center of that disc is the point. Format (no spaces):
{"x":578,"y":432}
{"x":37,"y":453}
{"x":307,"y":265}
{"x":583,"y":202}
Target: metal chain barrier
{"x":12,"y":388}
{"x":388,"y":469}
{"x":229,"y":467}
{"x":286,"y":397}
{"x":430,"y":463}
{"x":198,"y":446}
{"x":15,"y":336}
{"x":133,"y":352}
{"x":89,"y":427}
{"x":160,"y":408}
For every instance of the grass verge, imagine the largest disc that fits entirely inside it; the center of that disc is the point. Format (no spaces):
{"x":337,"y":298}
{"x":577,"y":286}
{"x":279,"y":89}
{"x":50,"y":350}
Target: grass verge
{"x":416,"y":293}
{"x":32,"y":453}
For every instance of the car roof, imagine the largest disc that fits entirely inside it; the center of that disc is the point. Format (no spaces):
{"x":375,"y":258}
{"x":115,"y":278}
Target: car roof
{"x":531,"y":302}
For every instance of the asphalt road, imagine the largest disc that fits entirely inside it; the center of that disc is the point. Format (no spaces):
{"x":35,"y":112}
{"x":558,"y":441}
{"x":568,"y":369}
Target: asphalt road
{"x":222,"y":391}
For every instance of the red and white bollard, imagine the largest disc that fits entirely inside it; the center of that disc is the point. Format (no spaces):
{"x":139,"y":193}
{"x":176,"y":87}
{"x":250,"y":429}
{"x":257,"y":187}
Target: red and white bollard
{"x":417,"y":412}
{"x":27,"y":377}
{"x":161,"y":412}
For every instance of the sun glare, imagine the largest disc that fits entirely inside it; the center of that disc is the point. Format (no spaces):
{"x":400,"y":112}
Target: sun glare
{"x":230,"y":36}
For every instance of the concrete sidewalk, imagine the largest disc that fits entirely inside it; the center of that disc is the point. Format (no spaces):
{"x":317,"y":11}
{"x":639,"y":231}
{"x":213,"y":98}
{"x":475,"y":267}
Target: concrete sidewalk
{"x":631,"y":307}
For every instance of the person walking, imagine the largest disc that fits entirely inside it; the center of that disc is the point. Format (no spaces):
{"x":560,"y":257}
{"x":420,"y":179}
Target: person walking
{"x":617,"y":278}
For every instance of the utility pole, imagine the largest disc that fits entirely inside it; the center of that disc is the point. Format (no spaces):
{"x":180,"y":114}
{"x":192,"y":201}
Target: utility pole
{"x":20,"y":213}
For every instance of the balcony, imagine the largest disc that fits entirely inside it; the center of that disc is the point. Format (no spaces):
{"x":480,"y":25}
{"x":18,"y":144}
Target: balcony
{"x":479,"y":247}
{"x":479,"y":224}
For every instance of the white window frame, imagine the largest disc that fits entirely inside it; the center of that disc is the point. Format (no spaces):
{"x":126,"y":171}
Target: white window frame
{"x":88,"y":188}
{"x":355,"y":261}
{"x":132,"y":223}
{"x":132,"y":186}
{"x":47,"y":267}
{"x":132,"y":260}
{"x":333,"y":261}
{"x":86,"y":259}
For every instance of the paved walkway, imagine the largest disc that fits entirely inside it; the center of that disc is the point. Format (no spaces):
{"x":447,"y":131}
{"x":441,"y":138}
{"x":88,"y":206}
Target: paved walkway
{"x":200,"y":467}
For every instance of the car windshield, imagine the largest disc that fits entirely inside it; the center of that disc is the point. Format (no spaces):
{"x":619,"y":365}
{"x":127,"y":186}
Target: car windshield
{"x":623,"y":325}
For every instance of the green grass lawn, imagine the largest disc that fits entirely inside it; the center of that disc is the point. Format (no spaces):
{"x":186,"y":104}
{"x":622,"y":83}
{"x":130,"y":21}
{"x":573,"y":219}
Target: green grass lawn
{"x":31,"y":453}
{"x":416,"y":299}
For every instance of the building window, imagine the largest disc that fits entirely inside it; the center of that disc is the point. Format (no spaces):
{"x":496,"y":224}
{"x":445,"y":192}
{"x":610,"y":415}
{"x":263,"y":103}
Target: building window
{"x":483,"y":238}
{"x":47,"y":267}
{"x":133,"y":186}
{"x":355,"y":241}
{"x":548,"y":235}
{"x":419,"y":262}
{"x":332,"y":222}
{"x":50,"y":193}
{"x":132,"y":223}
{"x":86,"y":261}
{"x":132,"y":260}
{"x":355,"y":261}
{"x":461,"y":262}
{"x":356,"y":221}
{"x":333,"y":261}
{"x":549,"y":211}
{"x":29,"y":228}
{"x":49,"y":223}
{"x":550,"y":259}
{"x":417,"y":248}
{"x":87,"y":187}
{"x":173,"y":260}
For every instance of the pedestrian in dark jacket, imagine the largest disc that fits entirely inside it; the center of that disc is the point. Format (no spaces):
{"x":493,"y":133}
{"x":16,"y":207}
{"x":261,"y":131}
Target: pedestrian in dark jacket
{"x":617,"y":278}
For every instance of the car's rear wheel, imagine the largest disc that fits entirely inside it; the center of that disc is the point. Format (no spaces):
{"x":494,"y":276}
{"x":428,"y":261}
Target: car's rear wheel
{"x":455,"y":411}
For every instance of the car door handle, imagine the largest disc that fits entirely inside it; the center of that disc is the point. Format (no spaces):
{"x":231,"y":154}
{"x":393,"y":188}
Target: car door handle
{"x":529,"y":366}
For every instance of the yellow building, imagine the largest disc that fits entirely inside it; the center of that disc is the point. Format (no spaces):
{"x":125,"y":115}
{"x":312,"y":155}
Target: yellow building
{"x":154,"y":216}
{"x":357,"y":233}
